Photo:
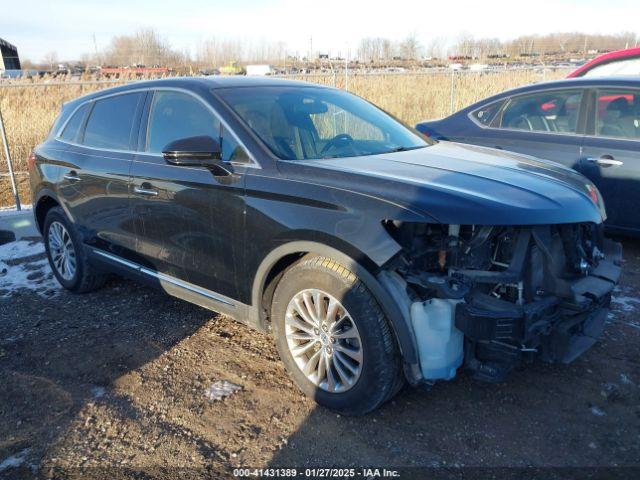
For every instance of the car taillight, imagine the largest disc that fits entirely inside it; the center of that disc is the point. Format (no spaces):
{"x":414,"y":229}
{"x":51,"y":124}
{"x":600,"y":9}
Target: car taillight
{"x":31,"y":160}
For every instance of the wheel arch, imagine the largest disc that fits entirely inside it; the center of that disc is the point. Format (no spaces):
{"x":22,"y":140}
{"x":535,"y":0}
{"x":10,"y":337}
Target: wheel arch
{"x":275,"y":264}
{"x":45,"y":200}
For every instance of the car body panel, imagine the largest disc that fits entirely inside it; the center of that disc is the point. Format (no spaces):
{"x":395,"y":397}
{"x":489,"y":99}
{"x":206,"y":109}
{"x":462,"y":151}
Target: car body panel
{"x":455,"y":183}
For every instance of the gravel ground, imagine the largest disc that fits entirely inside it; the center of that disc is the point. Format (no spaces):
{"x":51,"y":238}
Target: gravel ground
{"x":129,"y":379}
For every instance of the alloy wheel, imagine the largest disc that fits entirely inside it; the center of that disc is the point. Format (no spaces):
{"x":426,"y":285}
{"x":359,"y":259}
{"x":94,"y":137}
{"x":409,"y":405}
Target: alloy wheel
{"x":323,"y":340}
{"x":62,"y":251}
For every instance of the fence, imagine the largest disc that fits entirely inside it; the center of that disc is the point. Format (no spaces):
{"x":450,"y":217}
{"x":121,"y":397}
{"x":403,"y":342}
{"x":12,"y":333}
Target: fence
{"x":29,"y":108}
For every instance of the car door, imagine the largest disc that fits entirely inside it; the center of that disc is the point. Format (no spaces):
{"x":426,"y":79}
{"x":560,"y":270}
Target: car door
{"x":611,"y":153}
{"x":95,"y":182}
{"x":545,"y":124}
{"x":189,"y":221}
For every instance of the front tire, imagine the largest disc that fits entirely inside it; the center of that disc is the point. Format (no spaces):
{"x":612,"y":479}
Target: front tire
{"x":67,"y":256}
{"x":333,"y":337}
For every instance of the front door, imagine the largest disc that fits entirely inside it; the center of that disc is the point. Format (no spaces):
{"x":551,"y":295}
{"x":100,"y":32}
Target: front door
{"x":189,"y":222}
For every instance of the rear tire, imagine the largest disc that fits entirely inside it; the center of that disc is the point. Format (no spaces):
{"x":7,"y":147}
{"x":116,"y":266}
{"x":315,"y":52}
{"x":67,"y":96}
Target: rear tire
{"x":67,"y":255}
{"x":370,"y":372}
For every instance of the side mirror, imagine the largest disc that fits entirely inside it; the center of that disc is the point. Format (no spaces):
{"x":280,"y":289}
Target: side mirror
{"x":202,"y":151}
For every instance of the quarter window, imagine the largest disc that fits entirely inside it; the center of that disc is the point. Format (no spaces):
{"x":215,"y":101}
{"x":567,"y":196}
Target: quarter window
{"x":176,"y":115}
{"x":555,"y":112}
{"x":618,"y":114}
{"x":111,"y":121}
{"x":70,"y":132}
{"x":487,"y":113}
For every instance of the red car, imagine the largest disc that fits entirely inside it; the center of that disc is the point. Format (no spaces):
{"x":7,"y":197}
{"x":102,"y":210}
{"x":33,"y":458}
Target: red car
{"x":621,"y":62}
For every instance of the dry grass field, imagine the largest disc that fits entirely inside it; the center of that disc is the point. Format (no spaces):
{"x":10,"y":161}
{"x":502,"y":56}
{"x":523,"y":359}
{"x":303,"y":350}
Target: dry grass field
{"x":29,"y":109}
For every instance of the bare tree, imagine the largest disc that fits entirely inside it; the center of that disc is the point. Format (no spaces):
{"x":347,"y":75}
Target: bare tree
{"x":51,"y":59}
{"x":410,"y":47}
{"x":145,"y":47}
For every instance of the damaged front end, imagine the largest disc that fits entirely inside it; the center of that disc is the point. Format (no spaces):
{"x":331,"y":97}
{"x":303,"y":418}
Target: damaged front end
{"x":491,"y":298}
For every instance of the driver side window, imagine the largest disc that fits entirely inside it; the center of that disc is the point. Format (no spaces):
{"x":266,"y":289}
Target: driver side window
{"x":555,"y":112}
{"x":177,"y":115}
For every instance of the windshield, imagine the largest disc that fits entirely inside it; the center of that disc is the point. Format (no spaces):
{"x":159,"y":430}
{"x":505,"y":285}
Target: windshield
{"x":302,"y":123}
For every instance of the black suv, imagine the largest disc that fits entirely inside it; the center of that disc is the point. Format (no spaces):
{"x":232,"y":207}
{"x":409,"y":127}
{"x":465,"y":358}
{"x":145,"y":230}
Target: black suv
{"x":373,"y":255}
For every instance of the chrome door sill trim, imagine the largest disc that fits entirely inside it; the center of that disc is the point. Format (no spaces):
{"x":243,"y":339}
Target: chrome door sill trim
{"x":164,"y":277}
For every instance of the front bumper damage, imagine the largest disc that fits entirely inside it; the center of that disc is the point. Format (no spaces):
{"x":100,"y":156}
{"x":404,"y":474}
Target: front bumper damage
{"x":520,"y":294}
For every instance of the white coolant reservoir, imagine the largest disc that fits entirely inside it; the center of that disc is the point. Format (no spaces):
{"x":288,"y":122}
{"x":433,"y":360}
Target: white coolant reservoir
{"x":440,"y":343}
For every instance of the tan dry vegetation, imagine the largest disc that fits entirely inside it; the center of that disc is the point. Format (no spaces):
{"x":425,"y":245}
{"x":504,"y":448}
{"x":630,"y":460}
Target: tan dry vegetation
{"x":29,"y":110}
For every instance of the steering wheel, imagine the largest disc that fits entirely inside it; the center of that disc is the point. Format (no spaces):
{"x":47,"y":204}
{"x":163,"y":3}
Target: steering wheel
{"x":336,"y":142}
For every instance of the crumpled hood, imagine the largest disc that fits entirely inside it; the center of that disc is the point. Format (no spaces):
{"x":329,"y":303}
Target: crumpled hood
{"x":466,"y":184}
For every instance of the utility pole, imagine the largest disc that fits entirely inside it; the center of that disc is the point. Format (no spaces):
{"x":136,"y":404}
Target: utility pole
{"x":95,"y":48}
{"x":7,"y":154}
{"x":346,"y":70}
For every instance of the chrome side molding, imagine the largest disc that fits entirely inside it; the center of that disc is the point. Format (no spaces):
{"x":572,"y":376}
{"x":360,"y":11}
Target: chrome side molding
{"x":162,"y":277}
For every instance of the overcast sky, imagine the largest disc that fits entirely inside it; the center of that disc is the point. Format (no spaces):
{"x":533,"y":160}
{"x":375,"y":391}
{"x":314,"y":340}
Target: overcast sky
{"x":67,"y":27}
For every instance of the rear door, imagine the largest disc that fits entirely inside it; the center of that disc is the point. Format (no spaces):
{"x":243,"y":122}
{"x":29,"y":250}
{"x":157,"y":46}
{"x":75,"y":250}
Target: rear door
{"x":96,"y":172}
{"x":611,"y":153}
{"x":189,"y":222}
{"x":545,"y":124}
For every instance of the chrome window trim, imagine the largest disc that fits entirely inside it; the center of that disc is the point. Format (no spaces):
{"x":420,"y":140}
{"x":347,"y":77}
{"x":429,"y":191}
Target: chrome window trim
{"x":254,"y":163}
{"x":508,"y":99}
{"x":164,"y":277}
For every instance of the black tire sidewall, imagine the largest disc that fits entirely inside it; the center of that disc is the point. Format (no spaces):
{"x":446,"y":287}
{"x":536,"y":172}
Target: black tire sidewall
{"x":56,"y":214}
{"x":378,"y":373}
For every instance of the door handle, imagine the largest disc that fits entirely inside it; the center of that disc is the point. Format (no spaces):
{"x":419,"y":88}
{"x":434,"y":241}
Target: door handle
{"x":605,"y":161}
{"x":145,"y":189}
{"x":72,"y":176}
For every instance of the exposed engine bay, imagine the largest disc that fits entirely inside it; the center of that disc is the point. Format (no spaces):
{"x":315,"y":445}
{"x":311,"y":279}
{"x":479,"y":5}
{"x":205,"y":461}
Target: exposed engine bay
{"x":517,"y":293}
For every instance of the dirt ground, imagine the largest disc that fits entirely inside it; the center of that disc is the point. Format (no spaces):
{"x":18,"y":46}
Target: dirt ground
{"x":119,"y":381}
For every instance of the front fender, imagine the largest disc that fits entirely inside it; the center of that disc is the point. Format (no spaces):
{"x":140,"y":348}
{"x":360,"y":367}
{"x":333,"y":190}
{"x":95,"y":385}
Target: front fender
{"x":399,"y":323}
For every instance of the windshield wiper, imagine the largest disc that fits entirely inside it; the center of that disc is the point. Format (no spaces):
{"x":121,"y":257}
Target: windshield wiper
{"x":405,"y":149}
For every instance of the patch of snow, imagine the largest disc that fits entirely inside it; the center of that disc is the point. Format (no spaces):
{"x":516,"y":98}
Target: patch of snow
{"x":23,"y":268}
{"x":624,"y":378}
{"x":98,"y":392}
{"x":14,"y":461}
{"x":597,"y":411}
{"x":626,"y":304}
{"x":221,"y":389}
{"x":10,"y":211}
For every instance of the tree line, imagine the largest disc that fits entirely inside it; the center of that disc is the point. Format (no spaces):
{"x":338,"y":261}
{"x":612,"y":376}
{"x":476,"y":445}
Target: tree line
{"x":147,"y":47}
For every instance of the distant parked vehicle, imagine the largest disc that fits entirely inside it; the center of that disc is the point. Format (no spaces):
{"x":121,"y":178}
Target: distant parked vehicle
{"x":618,"y":63}
{"x":589,"y":124}
{"x":260,"y":70}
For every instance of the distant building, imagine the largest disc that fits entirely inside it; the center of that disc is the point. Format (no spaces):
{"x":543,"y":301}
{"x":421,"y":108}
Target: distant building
{"x":8,"y":56}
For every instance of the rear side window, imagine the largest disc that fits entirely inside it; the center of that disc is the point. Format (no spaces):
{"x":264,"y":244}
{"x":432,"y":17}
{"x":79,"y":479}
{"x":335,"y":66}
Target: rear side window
{"x":176,"y":115}
{"x":556,"y":112}
{"x":111,"y":121}
{"x":618,"y":114}
{"x":71,"y":129}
